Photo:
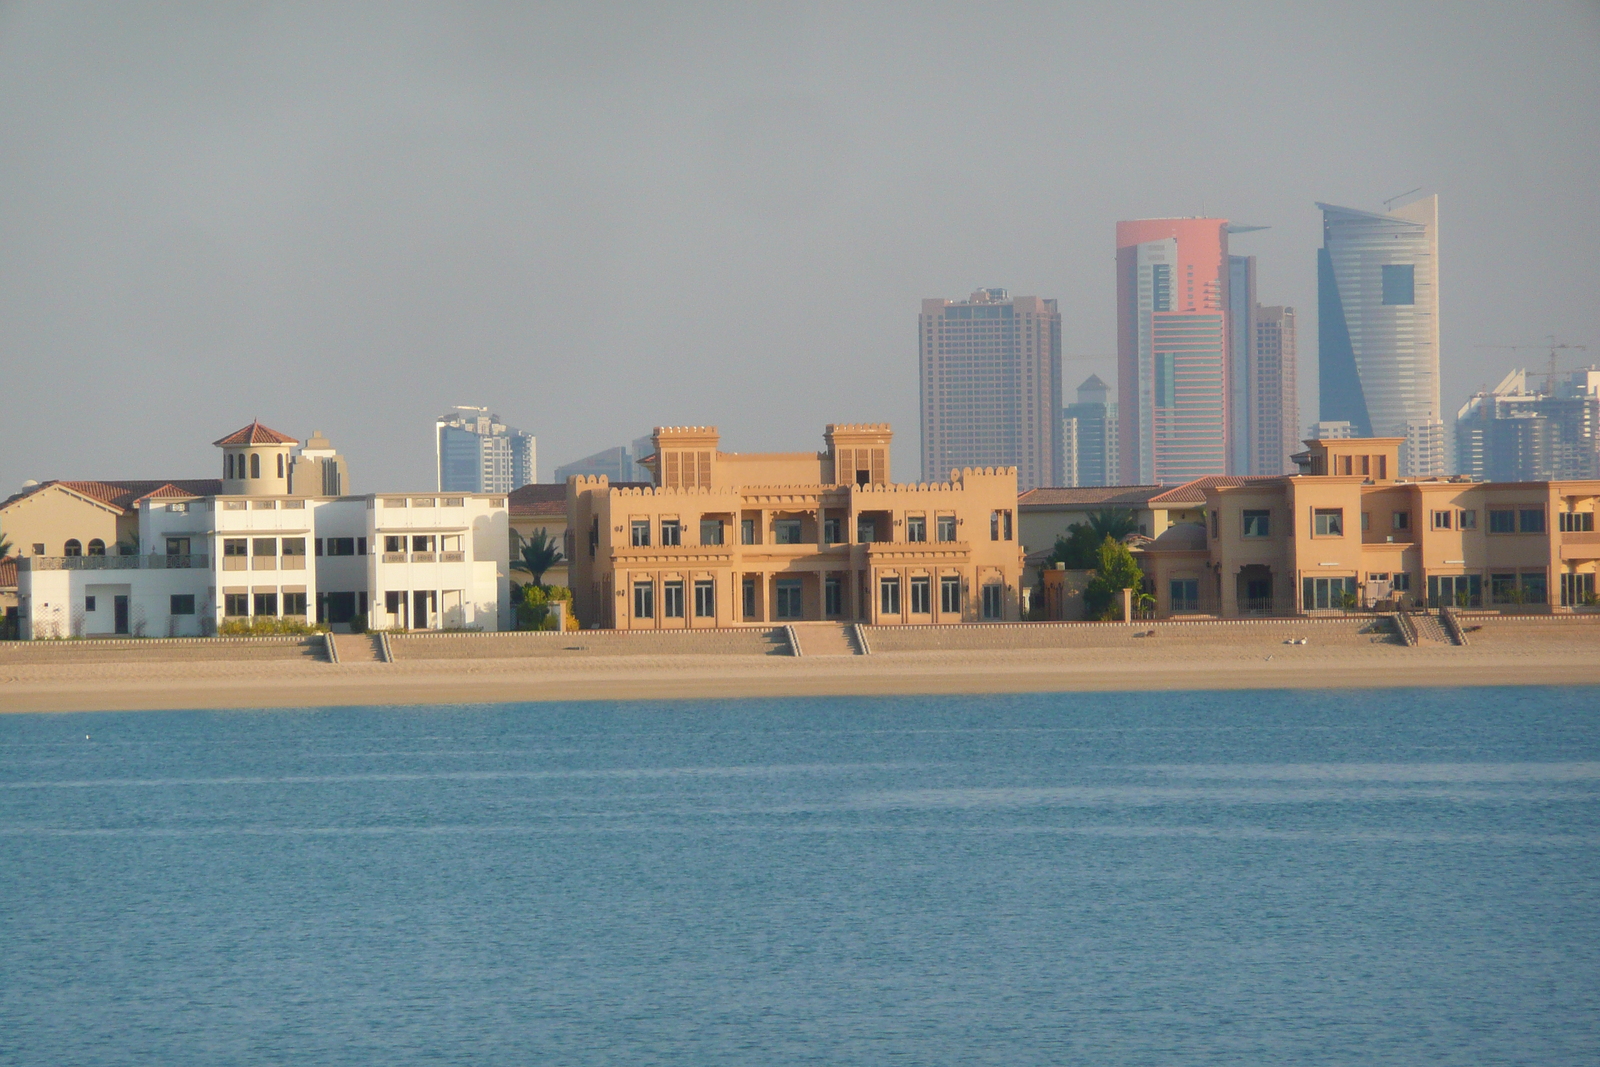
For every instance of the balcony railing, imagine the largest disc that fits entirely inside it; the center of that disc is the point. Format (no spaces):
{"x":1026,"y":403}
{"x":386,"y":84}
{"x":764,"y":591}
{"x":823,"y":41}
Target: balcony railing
{"x":114,"y":563}
{"x":422,"y":557}
{"x":452,"y":557}
{"x":394,"y":557}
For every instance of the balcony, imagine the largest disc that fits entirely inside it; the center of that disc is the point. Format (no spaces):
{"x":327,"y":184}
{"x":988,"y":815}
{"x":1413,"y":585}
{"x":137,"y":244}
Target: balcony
{"x":1580,"y":544}
{"x":422,"y":557}
{"x":264,"y":563}
{"x":293,"y":563}
{"x":394,"y":557}
{"x":114,"y":563}
{"x":452,"y":557}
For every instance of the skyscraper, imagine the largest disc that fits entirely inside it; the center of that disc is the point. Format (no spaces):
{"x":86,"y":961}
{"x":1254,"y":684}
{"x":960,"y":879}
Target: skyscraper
{"x":1378,"y":327}
{"x":1172,"y":348}
{"x":1274,"y":396}
{"x":991,"y":385}
{"x":477,"y":453}
{"x":1511,"y":434}
{"x":1089,"y":437}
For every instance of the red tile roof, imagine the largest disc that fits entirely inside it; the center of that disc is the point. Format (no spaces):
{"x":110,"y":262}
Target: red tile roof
{"x":8,"y":573}
{"x":1127,"y":496}
{"x":539,"y":498}
{"x":1194,"y":492}
{"x":125,"y":496}
{"x":257,"y":434}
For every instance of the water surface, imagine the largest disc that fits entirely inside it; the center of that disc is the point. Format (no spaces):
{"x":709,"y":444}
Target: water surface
{"x":1174,"y":878}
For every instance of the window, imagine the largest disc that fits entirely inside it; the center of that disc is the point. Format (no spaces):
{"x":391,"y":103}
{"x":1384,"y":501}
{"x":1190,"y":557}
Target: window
{"x":1531,"y":520}
{"x":1184,"y":594}
{"x":1216,"y":525}
{"x":182,"y":508}
{"x":1000,"y":526}
{"x":994,"y":601}
{"x":73,"y":547}
{"x":1457,"y":590}
{"x":422,"y":542}
{"x":1502,"y":520}
{"x":641,"y":535}
{"x":88,"y":603}
{"x":1534,"y":590}
{"x":921,"y":596}
{"x":236,"y":605}
{"x":671,"y":532}
{"x":1401,"y":582}
{"x":786,"y":531}
{"x":749,"y":597}
{"x":1577,"y":589}
{"x":227,"y":465}
{"x":711,"y":531}
{"x":832,"y":531}
{"x":1321,"y":594}
{"x":1469,"y":520}
{"x":38,"y":549}
{"x":705,"y":597}
{"x":234,"y":546}
{"x":1570,"y":522}
{"x":255,"y":464}
{"x":672,"y":600}
{"x":453,"y":502}
{"x":294,"y":603}
{"x":1327,"y":522}
{"x":832,"y":595}
{"x":342,"y":546}
{"x":264,"y":546}
{"x":747,"y":531}
{"x":1258,"y":524}
{"x":866,"y":530}
{"x":889,"y":596}
{"x":916,"y":530}
{"x":947,"y":528}
{"x":1400,"y":520}
{"x":950,"y":594}
{"x":644,"y":600}
{"x":1442,"y":520}
{"x":280,"y":464}
{"x":1399,"y":283}
{"x":180,"y":604}
{"x":1366,"y":521}
{"x":266,"y":603}
{"x":1503,"y":588}
{"x":292,"y":546}
{"x":789,"y":598}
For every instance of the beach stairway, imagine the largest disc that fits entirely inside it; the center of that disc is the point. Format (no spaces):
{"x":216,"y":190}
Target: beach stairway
{"x":358,"y":648}
{"x":1430,"y":631}
{"x":824,"y":639}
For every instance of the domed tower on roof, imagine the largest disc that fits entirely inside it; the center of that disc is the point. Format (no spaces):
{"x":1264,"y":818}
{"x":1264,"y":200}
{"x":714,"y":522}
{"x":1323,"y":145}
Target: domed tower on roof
{"x":255,"y":461}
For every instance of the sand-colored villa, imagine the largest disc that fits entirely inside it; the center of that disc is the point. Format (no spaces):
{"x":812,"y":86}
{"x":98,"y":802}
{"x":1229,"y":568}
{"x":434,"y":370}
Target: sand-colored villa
{"x":1347,"y":526}
{"x":730,"y":539}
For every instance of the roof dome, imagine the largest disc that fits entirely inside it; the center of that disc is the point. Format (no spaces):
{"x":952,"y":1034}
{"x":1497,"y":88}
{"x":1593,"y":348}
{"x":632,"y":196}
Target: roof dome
{"x":1180,"y":537}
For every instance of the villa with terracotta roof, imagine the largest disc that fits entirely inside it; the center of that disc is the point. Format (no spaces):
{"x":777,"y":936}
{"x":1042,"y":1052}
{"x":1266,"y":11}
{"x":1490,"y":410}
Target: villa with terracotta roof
{"x":277,"y":536}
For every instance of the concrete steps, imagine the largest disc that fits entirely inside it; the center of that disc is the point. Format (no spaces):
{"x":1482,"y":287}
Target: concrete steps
{"x":825,"y":639}
{"x":358,"y":648}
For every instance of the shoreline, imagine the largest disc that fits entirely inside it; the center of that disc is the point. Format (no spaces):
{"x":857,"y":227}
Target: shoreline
{"x":256,"y":685}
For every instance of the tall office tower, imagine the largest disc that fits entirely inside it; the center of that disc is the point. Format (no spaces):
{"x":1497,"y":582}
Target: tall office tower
{"x":1378,"y":328}
{"x":1510,"y":434}
{"x":1332,"y":430}
{"x":477,"y":453}
{"x":1089,"y":437}
{"x":1172,"y":347}
{"x":1274,"y":396}
{"x":1241,"y":362}
{"x":991,"y":385}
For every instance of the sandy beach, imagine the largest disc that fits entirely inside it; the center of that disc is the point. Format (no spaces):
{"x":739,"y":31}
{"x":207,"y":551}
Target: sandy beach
{"x":110,"y":676}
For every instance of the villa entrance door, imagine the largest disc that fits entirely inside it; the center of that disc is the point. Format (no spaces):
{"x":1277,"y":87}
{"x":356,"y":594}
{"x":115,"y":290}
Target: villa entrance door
{"x":119,"y":606}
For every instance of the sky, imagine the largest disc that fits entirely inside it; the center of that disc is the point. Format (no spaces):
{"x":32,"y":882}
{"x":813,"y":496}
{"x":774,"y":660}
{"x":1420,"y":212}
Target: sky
{"x":595,"y":219}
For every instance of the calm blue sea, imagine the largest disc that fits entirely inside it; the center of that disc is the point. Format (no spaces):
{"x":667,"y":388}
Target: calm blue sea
{"x":1404,"y":876}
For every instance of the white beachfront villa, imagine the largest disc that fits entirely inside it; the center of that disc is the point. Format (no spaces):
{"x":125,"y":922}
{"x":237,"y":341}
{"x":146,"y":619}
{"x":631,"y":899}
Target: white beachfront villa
{"x":260,"y":548}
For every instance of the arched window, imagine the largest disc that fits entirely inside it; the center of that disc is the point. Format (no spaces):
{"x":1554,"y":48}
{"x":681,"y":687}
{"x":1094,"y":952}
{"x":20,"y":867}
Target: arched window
{"x":280,"y":464}
{"x":97,"y":547}
{"x":255,"y":464}
{"x":227,"y":465}
{"x":73,"y":548}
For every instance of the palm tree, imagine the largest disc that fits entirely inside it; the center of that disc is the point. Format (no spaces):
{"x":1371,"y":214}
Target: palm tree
{"x":539,"y":554}
{"x":1115,"y":523}
{"x":5,"y":545}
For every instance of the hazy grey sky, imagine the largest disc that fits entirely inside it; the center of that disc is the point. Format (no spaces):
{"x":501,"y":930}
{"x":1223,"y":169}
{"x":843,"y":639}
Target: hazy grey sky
{"x":596,"y":219}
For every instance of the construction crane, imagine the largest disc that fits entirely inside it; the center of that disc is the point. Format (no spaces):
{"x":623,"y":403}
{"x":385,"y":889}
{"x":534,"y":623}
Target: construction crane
{"x":1549,"y":373}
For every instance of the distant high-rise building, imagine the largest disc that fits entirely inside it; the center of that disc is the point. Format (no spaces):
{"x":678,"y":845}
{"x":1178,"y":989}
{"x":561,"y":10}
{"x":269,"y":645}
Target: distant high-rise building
{"x":615,"y":463}
{"x":1378,"y":328}
{"x":1089,"y":437}
{"x":477,"y":453}
{"x":1332,"y":430}
{"x":1241,"y":363}
{"x":1510,"y":434}
{"x":1274,"y":396}
{"x":991,"y":385}
{"x":1172,"y":349}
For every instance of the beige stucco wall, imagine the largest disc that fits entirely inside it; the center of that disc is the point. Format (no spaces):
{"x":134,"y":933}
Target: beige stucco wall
{"x":54,"y":514}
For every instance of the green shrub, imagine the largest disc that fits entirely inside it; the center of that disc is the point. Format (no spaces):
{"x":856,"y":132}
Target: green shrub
{"x":267,"y":626}
{"x":1116,"y":571}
